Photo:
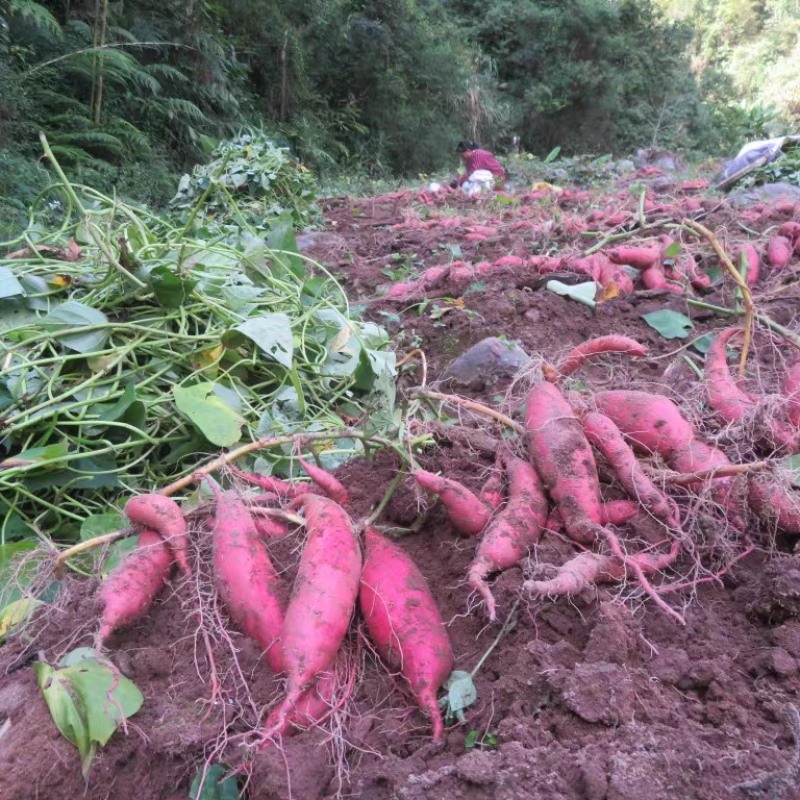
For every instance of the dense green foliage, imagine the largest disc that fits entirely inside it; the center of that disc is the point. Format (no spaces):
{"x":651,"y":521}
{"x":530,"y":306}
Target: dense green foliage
{"x":130,"y":93}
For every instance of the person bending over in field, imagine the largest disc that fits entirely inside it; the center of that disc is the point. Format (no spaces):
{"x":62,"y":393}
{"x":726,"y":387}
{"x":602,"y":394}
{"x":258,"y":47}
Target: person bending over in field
{"x":474,"y":159}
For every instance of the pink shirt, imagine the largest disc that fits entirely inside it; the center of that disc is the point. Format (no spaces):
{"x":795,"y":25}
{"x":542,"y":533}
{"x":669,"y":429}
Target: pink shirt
{"x":482,"y":159}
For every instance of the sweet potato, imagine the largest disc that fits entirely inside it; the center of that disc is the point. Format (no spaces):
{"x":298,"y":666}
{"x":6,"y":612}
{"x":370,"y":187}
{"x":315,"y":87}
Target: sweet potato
{"x":332,"y":487}
{"x":613,"y":273}
{"x":791,"y":230}
{"x":404,"y":291}
{"x":775,"y":504}
{"x":779,"y":252}
{"x":404,"y":622}
{"x":753,"y":263}
{"x":467,"y":513}
{"x":654,"y":278}
{"x":128,"y":592}
{"x":589,"y":568}
{"x":724,"y":395}
{"x":618,"y":512}
{"x":514,"y":530}
{"x":637,"y":257}
{"x":322,"y":602}
{"x":600,"y":345}
{"x":162,"y":515}
{"x":491,"y":493}
{"x":245,"y":578}
{"x":475,"y":237}
{"x":652,"y":423}
{"x":608,"y":439}
{"x":562,"y":457}
{"x":268,"y":528}
{"x":509,"y":261}
{"x":791,"y":390}
{"x":270,"y":484}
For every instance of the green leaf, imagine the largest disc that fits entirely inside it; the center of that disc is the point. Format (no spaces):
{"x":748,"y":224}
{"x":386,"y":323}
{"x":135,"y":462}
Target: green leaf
{"x":171,"y":290}
{"x":471,"y":740}
{"x":100,"y":524}
{"x":46,"y":453}
{"x":673,"y":251}
{"x":215,"y":787}
{"x":116,"y":554}
{"x":9,"y":285}
{"x":111,"y":413}
{"x":582,"y":292}
{"x":73,"y":314}
{"x":215,"y":419}
{"x":16,"y":614}
{"x":76,"y":656}
{"x":670,"y":324}
{"x":281,"y":237}
{"x":273,"y":334}
{"x":703,"y":344}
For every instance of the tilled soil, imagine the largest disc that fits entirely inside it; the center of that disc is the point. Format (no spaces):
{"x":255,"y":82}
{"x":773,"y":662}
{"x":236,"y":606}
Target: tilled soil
{"x":601,"y":697}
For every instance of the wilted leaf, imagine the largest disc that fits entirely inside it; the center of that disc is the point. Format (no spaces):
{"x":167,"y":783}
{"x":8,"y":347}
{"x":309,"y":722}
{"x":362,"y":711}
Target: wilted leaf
{"x":582,"y":292}
{"x":215,"y":419}
{"x":670,"y":324}
{"x":16,"y":614}
{"x":610,"y":291}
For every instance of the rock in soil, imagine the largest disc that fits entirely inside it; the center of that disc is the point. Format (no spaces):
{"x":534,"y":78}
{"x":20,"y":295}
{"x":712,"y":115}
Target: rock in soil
{"x":485,"y":363}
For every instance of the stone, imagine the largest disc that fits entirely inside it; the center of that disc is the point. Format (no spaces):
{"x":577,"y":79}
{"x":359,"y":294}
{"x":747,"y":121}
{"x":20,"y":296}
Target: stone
{"x":768,"y":193}
{"x":485,"y":363}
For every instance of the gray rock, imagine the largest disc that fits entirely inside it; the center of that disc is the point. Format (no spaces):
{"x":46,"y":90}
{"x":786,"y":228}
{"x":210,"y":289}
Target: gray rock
{"x":659,"y":159}
{"x":768,"y":193}
{"x":486,"y":362}
{"x":320,"y":240}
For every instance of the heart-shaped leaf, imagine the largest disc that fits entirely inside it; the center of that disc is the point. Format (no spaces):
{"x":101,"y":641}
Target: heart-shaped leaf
{"x":670,"y":324}
{"x":214,"y":418}
{"x":73,"y":314}
{"x":273,"y":334}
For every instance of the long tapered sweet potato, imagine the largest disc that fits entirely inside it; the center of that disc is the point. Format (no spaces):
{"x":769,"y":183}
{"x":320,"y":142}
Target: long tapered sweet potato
{"x":467,"y":513}
{"x":163,"y":515}
{"x":724,"y":395}
{"x":651,"y":422}
{"x":513,"y":531}
{"x":608,"y":439}
{"x":271,"y":484}
{"x":322,"y":602}
{"x":330,"y":485}
{"x":637,"y":257}
{"x":129,"y":591}
{"x":753,"y":262}
{"x":563,"y":458}
{"x":599,"y":346}
{"x":404,"y":622}
{"x":245,"y":577}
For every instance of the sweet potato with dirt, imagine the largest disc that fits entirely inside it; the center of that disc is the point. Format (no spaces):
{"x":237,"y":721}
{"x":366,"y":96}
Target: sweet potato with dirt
{"x":163,"y":515}
{"x":466,"y":512}
{"x":128,"y":592}
{"x":245,"y":577}
{"x":322,"y":602}
{"x":332,"y":486}
{"x":608,"y":439}
{"x":600,"y":345}
{"x":724,"y":395}
{"x":491,"y":493}
{"x":271,"y":484}
{"x":775,"y":503}
{"x":563,"y":458}
{"x":404,"y":622}
{"x":779,"y":252}
{"x":512,"y":532}
{"x":651,"y":422}
{"x":753,"y":262}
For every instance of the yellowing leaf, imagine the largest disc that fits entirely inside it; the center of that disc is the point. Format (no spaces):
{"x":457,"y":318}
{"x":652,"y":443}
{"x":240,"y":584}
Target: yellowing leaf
{"x":99,"y":363}
{"x":16,"y":614}
{"x":208,"y":360}
{"x":61,"y":280}
{"x":341,"y":339}
{"x":610,"y":291}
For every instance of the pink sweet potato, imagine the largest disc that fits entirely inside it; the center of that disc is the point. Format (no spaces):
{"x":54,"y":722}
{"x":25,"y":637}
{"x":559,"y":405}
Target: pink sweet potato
{"x":404,"y":291}
{"x":779,"y":252}
{"x":618,"y":512}
{"x":753,"y":263}
{"x":775,"y":504}
{"x":598,"y":346}
{"x":404,"y":622}
{"x":613,"y":273}
{"x":476,"y":237}
{"x":791,"y":230}
{"x":724,"y":395}
{"x":513,"y":531}
{"x":652,"y":423}
{"x":467,"y":513}
{"x":791,"y":390}
{"x":332,"y":487}
{"x":322,"y":602}
{"x":491,"y":493}
{"x":245,"y":577}
{"x":129,"y":591}
{"x":270,"y":484}
{"x":637,"y":257}
{"x":563,"y":458}
{"x":163,"y":515}
{"x":268,"y":528}
{"x":608,"y":439}
{"x":653,"y":278}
